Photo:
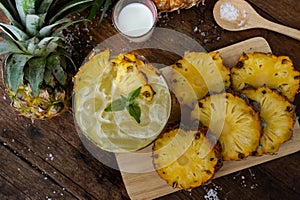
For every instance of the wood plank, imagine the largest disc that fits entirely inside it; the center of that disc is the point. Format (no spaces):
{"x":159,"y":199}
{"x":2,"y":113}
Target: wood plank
{"x":284,"y":16}
{"x":15,"y":171}
{"x":139,"y":175}
{"x":54,"y":148}
{"x":9,"y":191}
{"x":74,"y":169}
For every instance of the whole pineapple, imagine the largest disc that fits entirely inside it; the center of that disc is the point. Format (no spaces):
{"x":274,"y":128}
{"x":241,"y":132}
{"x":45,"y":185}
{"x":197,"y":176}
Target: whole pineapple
{"x":37,"y":68}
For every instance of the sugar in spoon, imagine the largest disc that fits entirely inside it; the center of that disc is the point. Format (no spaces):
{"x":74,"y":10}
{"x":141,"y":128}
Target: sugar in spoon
{"x":237,"y":15}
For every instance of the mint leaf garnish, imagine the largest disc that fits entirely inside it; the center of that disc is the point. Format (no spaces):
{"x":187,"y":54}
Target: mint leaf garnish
{"x":134,"y":111}
{"x":117,"y":105}
{"x":134,"y":94}
{"x":128,"y":103}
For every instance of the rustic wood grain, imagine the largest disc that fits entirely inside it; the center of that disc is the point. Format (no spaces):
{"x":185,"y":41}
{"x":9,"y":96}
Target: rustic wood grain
{"x":28,"y":171}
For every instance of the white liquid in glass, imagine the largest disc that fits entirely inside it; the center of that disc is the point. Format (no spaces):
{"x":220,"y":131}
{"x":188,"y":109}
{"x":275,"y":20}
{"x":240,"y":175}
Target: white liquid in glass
{"x":135,"y":19}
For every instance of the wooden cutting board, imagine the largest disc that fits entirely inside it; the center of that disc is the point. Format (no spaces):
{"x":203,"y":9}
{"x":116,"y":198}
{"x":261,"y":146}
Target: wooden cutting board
{"x":139,"y":175}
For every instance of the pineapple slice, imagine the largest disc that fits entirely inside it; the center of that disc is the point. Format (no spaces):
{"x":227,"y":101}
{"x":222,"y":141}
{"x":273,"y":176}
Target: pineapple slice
{"x":128,"y":76}
{"x":180,"y":86}
{"x":185,"y":159}
{"x":86,"y":74}
{"x":131,"y":74}
{"x":278,"y":116}
{"x":235,"y":124}
{"x":259,"y":69}
{"x":205,"y":72}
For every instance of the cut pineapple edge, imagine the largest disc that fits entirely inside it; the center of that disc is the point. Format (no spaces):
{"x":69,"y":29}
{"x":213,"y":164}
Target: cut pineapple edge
{"x":104,"y":78}
{"x":185,"y":159}
{"x":262,"y":69}
{"x":278,"y":116}
{"x":205,"y":72}
{"x":233,"y":122}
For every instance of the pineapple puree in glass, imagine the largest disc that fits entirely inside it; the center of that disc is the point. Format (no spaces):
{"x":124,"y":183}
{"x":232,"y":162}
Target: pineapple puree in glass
{"x":117,"y":131}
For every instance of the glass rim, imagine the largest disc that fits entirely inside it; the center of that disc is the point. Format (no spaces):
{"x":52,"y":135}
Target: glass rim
{"x":149,"y":3}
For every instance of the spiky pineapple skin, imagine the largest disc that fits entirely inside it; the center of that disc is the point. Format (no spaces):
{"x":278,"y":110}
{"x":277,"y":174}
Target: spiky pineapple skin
{"x":46,"y":105}
{"x":173,"y":5}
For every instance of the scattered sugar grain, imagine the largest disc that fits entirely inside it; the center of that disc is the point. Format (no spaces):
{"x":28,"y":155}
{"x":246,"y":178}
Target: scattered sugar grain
{"x":49,"y":156}
{"x":196,"y":29}
{"x":211,"y":195}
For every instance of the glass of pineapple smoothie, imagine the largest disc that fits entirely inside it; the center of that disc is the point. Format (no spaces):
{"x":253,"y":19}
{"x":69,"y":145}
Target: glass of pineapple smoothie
{"x":135,"y":19}
{"x":120,"y":103}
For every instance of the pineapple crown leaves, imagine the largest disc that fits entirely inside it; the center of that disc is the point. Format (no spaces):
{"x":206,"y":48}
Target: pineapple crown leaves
{"x":33,"y":69}
{"x":97,"y":5}
{"x":38,"y":17}
{"x":33,"y":42}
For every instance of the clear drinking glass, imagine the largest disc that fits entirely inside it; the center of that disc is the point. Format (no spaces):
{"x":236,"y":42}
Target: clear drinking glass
{"x":135,"y":19}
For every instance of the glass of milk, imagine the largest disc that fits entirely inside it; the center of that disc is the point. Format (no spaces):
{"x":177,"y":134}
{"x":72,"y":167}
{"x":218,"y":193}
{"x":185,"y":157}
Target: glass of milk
{"x":135,"y":19}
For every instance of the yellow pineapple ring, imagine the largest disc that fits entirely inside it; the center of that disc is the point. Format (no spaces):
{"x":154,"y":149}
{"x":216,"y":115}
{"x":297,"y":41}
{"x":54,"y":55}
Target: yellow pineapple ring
{"x":235,"y":124}
{"x":259,"y":69}
{"x":205,"y":72}
{"x":184,"y":159}
{"x":278,"y":115}
{"x":102,"y":80}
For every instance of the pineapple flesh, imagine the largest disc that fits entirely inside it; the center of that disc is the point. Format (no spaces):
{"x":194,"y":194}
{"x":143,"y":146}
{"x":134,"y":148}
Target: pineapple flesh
{"x":184,"y":158}
{"x":234,"y":123}
{"x":260,"y":69}
{"x":278,"y":117}
{"x":129,"y":76}
{"x":37,"y":68}
{"x":205,"y":72}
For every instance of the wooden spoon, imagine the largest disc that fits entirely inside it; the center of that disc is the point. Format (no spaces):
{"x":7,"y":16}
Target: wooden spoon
{"x":237,"y":15}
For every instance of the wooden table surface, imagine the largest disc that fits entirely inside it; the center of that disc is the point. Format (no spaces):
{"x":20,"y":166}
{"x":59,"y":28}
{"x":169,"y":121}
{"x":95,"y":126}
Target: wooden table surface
{"x":47,"y":159}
